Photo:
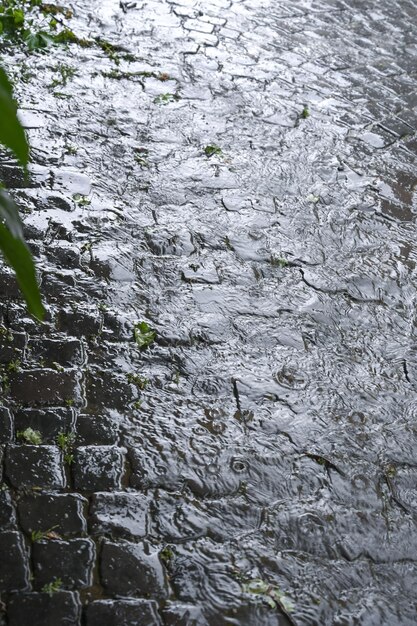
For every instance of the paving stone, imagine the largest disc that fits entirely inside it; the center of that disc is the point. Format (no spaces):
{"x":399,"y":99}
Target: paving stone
{"x":67,"y":352}
{"x":7,"y":510}
{"x":12,"y":345}
{"x":119,"y":514}
{"x":45,"y":386}
{"x":14,"y":566}
{"x":177,"y":614}
{"x":108,"y":390}
{"x":6,"y":425}
{"x":98,"y":468}
{"x":62,"y":608}
{"x":79,"y":323}
{"x":62,"y":512}
{"x":123,"y":613}
{"x":49,"y":422}
{"x":72,"y":561}
{"x":97,"y":430}
{"x":34,"y":466}
{"x":129,"y":569}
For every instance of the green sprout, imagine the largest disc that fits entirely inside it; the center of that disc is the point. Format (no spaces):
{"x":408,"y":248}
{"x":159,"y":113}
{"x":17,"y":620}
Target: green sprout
{"x":212,"y":150}
{"x":305,"y":113}
{"x":166,"y":98}
{"x":65,"y":442}
{"x":30,"y":436}
{"x":137,"y":380}
{"x":53,"y":587}
{"x":39,"y":535}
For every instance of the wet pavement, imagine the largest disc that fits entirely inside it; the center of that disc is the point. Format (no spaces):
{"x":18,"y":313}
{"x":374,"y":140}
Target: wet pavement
{"x":242,"y":177}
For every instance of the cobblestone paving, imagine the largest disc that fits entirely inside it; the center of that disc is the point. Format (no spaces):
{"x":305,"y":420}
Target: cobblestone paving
{"x":256,"y":465}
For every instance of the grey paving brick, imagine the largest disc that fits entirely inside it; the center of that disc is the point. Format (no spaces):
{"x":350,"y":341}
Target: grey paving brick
{"x":71,"y":561}
{"x":130,"y":569}
{"x":45,"y":387}
{"x":7,"y":510}
{"x":6,"y":425}
{"x":49,"y":422}
{"x":79,"y":323}
{"x":98,"y":468}
{"x":64,"y":513}
{"x":119,"y":514}
{"x":109,"y":390}
{"x":98,"y":430}
{"x":34,"y":466}
{"x":12,"y":345}
{"x":61,"y":608}
{"x":14,"y":564}
{"x":123,"y":612}
{"x":66,"y":352}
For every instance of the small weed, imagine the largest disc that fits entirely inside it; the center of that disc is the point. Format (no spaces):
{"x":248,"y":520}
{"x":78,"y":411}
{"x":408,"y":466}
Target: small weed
{"x":6,"y":334}
{"x":14,"y":366}
{"x":52,"y":587}
{"x":305,"y":113}
{"x":70,"y":149}
{"x":166,"y":98}
{"x":269,"y":594}
{"x":69,"y":402}
{"x":279,"y":262}
{"x":143,"y":334}
{"x":166,"y":555}
{"x":137,"y":405}
{"x":81,"y":200}
{"x":30,"y":436}
{"x":137,"y":380}
{"x":66,"y":73}
{"x":141,"y":155}
{"x":65,"y":442}
{"x":39,"y":535}
{"x":212,"y":150}
{"x":109,"y":49}
{"x":313,"y":198}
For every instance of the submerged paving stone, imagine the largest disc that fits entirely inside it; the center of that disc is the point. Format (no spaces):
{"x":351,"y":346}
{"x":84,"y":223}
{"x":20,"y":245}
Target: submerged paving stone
{"x":120,"y":514}
{"x":98,"y":468}
{"x":129,"y":569}
{"x":123,"y":612}
{"x":14,"y":563}
{"x":64,"y":513}
{"x":70,"y":561}
{"x":61,"y":608}
{"x":34,"y":466}
{"x":43,"y":386}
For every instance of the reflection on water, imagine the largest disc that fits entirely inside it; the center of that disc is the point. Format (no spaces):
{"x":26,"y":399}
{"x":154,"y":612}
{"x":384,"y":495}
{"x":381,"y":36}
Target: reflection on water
{"x":275,"y":437}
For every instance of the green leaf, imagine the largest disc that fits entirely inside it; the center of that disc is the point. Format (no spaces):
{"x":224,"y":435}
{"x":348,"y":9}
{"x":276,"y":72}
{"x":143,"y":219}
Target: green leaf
{"x":144,"y":335}
{"x":12,"y":134}
{"x":17,"y":254}
{"x":36,"y":41}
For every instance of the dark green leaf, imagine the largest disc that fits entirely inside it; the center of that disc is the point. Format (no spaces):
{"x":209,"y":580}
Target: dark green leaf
{"x":17,"y":254}
{"x":144,"y":335}
{"x":12,"y":134}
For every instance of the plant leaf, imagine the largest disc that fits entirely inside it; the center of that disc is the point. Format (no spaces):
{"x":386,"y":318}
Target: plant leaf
{"x":17,"y":254}
{"x":12,"y":134}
